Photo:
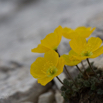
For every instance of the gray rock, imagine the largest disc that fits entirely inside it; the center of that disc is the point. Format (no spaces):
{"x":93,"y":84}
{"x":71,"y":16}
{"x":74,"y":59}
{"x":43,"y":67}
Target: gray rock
{"x":58,"y":97}
{"x":16,"y":84}
{"x":22,"y":28}
{"x":97,"y":21}
{"x":98,"y":62}
{"x":64,"y":47}
{"x":46,"y":97}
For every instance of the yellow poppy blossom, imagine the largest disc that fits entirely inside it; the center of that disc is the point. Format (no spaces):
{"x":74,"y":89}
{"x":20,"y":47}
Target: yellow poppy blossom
{"x":71,"y":59}
{"x":78,"y":32}
{"x":50,"y":42}
{"x":47,"y":67}
{"x":87,"y":49}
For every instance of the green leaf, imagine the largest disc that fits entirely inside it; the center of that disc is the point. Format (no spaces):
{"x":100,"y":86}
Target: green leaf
{"x":86,"y":83}
{"x":100,"y":91}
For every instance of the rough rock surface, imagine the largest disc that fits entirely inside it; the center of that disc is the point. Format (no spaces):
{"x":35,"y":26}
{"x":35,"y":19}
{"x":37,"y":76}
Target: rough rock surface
{"x":16,"y":84}
{"x":23,"y":26}
{"x":97,"y":21}
{"x":46,"y":97}
{"x":58,"y":97}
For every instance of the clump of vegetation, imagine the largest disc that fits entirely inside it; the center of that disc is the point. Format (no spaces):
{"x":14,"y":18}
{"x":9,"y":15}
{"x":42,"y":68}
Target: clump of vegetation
{"x":89,"y":87}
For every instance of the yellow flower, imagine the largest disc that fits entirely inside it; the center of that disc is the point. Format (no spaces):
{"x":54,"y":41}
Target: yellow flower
{"x":50,"y":42}
{"x":84,"y":49}
{"x":78,"y":32}
{"x":47,"y":67}
{"x":71,"y":59}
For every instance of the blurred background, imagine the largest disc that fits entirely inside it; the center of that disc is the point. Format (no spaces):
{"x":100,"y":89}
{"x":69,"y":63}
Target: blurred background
{"x":23,"y":23}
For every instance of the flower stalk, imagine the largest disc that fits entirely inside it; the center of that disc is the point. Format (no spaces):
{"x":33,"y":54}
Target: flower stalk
{"x":79,"y":69}
{"x":70,"y":76}
{"x":82,"y":65}
{"x":91,"y":68}
{"x":60,"y":81}
{"x":68,"y":72}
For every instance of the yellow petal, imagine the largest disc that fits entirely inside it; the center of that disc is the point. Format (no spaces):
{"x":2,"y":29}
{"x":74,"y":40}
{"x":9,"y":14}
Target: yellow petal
{"x":51,"y":57}
{"x":93,"y":29}
{"x":93,"y":44}
{"x":74,"y":54}
{"x":69,"y":33}
{"x":44,"y":81}
{"x":78,"y":32}
{"x":51,"y":41}
{"x":78,"y":44}
{"x":97,"y":52}
{"x":60,"y":66}
{"x":40,"y":49}
{"x":37,"y":67}
{"x":84,"y":31}
{"x":70,"y":60}
{"x":58,"y":30}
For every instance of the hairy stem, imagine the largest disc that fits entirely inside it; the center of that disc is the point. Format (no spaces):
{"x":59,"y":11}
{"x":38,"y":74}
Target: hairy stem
{"x":83,"y":65}
{"x":91,"y":68}
{"x":68,"y":72}
{"x":70,"y":76}
{"x":61,"y":81}
{"x":79,"y":69}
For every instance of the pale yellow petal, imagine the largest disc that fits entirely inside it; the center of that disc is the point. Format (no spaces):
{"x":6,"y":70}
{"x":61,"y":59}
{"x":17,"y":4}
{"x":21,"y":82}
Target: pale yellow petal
{"x":78,"y":44}
{"x":40,"y":49}
{"x":51,"y":57}
{"x":97,"y":53}
{"x":93,"y":44}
